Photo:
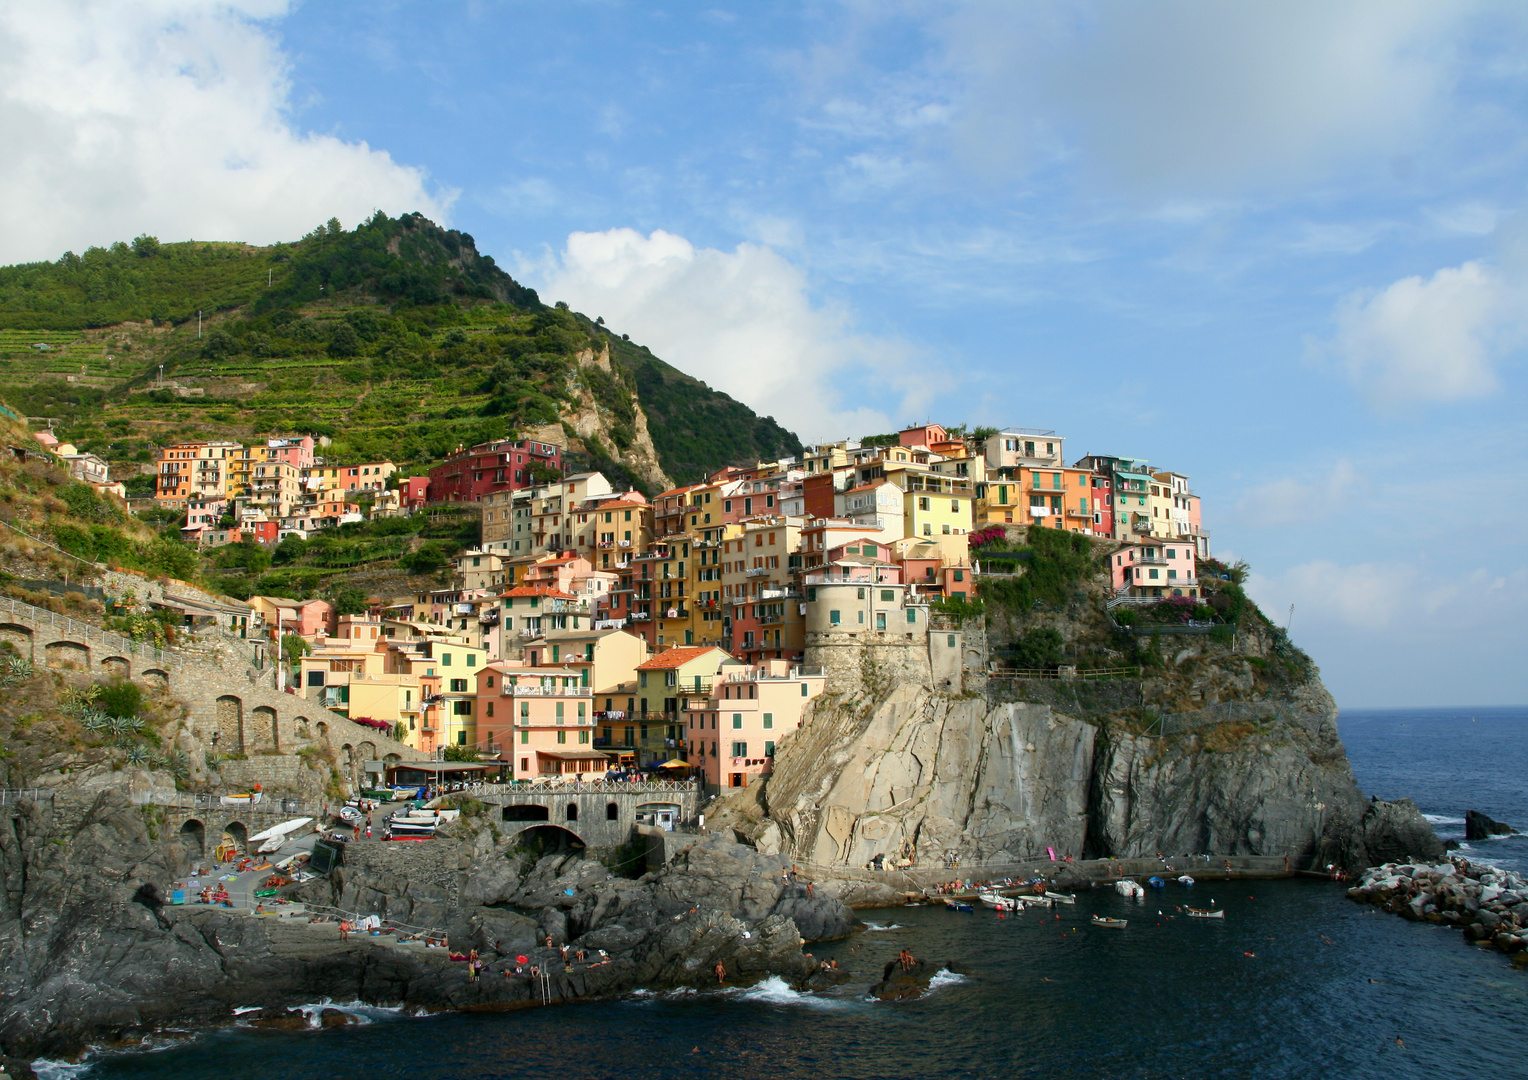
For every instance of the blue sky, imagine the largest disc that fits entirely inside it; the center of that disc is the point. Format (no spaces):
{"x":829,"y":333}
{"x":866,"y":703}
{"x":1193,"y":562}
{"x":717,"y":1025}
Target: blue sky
{"x":1280,"y":248}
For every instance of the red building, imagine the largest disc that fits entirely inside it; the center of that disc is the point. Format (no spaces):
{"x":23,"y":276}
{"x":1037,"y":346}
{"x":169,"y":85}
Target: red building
{"x":506,"y":465}
{"x":413,"y":492}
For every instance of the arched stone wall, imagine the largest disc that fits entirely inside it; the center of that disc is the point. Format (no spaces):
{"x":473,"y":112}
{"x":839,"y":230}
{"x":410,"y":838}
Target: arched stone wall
{"x":119,"y":666}
{"x":19,"y":636}
{"x":67,"y":655}
{"x":230,"y":724}
{"x":156,"y":677}
{"x":550,"y":838}
{"x":261,"y":731}
{"x":239,"y":833}
{"x":193,"y":835}
{"x":322,"y":730}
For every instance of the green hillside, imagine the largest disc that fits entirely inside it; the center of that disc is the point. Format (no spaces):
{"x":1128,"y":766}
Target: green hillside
{"x":396,"y":339}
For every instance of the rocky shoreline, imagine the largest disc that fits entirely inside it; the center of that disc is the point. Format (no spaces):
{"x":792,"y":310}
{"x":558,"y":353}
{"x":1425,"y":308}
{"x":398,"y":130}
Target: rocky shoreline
{"x":1488,"y":904}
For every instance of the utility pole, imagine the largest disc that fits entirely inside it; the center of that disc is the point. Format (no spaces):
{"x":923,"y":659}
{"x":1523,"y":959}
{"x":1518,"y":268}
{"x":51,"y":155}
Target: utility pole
{"x":160,"y":385}
{"x":1289,"y":620}
{"x":198,"y":324}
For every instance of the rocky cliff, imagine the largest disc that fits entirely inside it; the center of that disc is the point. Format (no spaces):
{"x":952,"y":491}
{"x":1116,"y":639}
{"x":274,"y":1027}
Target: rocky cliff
{"x":1223,"y":744}
{"x":89,"y":952}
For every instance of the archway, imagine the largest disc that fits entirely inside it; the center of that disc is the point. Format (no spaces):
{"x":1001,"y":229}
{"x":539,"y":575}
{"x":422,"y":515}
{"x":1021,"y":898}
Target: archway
{"x":323,"y":731}
{"x":19,"y":636}
{"x":301,"y":724}
{"x":67,"y":655}
{"x":193,"y":837}
{"x":156,"y":677}
{"x":548,"y":840}
{"x":262,"y":730}
{"x":527,"y":812}
{"x":571,"y":811}
{"x":118,"y":666}
{"x":236,"y":836}
{"x":230,"y":724}
{"x":612,"y":811}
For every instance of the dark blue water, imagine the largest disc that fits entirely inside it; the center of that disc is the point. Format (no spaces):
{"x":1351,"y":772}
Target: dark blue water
{"x":1296,"y":982}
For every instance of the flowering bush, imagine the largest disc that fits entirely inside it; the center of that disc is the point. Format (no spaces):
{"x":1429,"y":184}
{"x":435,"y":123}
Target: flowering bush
{"x":366,"y":721}
{"x":992,"y":534}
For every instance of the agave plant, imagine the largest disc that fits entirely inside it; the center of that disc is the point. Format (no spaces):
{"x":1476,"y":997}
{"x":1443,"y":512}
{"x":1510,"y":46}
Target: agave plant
{"x":123,"y":725}
{"x":137,"y":754}
{"x":93,"y":719}
{"x":15,"y":670}
{"x":178,"y":762}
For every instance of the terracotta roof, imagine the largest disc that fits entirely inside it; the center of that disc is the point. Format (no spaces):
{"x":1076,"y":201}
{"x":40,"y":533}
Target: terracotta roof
{"x":674,"y":658}
{"x":538,"y":590}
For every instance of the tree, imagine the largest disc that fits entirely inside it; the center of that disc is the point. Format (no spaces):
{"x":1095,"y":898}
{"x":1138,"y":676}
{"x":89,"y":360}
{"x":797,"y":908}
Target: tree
{"x":1039,"y":648}
{"x":461,"y":753}
{"x":344,"y":341}
{"x":347,"y":599}
{"x":146,"y":246}
{"x":294,"y":648}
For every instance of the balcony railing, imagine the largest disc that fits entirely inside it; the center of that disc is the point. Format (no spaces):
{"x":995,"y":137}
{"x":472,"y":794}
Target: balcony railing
{"x":756,"y":571}
{"x":546,"y":691}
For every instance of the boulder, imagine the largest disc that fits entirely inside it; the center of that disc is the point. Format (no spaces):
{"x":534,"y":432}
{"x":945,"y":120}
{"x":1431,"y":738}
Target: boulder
{"x":1479,"y":827}
{"x":899,"y":985}
{"x":332,"y":1018}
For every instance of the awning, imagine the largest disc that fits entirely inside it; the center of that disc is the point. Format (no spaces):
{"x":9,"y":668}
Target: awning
{"x":439,"y":767}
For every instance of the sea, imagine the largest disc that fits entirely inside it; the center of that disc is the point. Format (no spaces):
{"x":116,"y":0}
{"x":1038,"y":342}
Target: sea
{"x":1297,"y":981}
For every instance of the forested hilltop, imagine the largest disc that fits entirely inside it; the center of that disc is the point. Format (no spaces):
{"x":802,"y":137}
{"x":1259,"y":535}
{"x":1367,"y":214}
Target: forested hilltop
{"x":396,"y":340}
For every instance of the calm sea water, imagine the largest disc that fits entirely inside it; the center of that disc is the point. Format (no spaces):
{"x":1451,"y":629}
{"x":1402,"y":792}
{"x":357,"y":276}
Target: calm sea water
{"x":1296,"y":982}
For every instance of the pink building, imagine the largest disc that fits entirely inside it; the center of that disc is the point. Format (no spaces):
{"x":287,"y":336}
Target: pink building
{"x":1155,"y":568}
{"x":732,"y":735}
{"x":295,"y":452}
{"x":313,"y":617}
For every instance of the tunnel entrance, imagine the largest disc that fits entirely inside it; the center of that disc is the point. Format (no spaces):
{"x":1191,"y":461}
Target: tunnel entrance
{"x":527,"y":812}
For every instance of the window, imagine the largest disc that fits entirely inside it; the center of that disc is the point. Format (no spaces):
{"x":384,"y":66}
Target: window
{"x":739,"y":749}
{"x":769,"y":748}
{"x":912,"y":617}
{"x":462,"y":708}
{"x":458,"y":686}
{"x":955,"y":506}
{"x":923,"y":503}
{"x":445,"y":659}
{"x":490,"y":682}
{"x":315,"y":678}
{"x":562,"y":737}
{"x":559,"y":712}
{"x":525,"y":712}
{"x":461,"y":738}
{"x":960,"y":575}
{"x":1152,"y":573}
{"x":769,"y":721}
{"x":583,"y":736}
{"x":803,"y":689}
{"x":833,"y":618}
{"x":737,"y":720}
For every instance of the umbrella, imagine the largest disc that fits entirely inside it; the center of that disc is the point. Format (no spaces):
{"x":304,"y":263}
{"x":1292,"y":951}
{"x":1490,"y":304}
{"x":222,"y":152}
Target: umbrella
{"x":674,"y":763}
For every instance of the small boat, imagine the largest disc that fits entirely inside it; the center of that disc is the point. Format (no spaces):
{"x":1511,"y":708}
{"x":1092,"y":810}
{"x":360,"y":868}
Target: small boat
{"x":246,"y":798}
{"x":1127,"y":887}
{"x":958,"y":905}
{"x":1185,"y":880}
{"x":1200,"y":913}
{"x":1156,"y":883}
{"x":1118,"y":924}
{"x":1060,"y":898}
{"x":1035,"y":901}
{"x":997,"y":900}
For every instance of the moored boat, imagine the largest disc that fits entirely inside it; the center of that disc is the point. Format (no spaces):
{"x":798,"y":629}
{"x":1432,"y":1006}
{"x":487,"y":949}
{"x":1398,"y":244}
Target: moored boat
{"x":1127,"y":887}
{"x":1156,"y":883}
{"x":1060,"y":898}
{"x":1201,"y":913}
{"x":1103,"y":920}
{"x":958,"y":905}
{"x":997,"y":900}
{"x":1036,"y":901}
{"x":1185,"y":880}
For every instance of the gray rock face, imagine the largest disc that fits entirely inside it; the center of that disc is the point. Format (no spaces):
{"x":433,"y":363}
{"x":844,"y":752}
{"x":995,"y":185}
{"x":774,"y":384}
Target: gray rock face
{"x":919,"y":775}
{"x":89,"y":953}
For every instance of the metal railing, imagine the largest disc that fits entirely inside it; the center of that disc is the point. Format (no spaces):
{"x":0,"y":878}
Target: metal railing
{"x":12,"y":796}
{"x":1076,"y":673}
{"x":82,"y":631}
{"x":608,"y":787}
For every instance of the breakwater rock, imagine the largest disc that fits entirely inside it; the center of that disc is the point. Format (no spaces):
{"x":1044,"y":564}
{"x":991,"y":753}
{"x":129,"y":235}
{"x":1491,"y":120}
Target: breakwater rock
{"x":90,"y":953}
{"x":1488,"y":904}
{"x":1479,"y":827}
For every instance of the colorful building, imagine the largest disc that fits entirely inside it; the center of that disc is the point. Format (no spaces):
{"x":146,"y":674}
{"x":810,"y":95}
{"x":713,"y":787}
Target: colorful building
{"x":733,"y":732}
{"x":506,"y":465}
{"x":538,"y":719}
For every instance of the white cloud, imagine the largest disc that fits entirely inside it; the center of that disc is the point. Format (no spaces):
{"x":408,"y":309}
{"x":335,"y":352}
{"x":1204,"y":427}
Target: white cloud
{"x":169,"y":117}
{"x":1405,"y":633}
{"x":1192,"y":96}
{"x":742,"y":320}
{"x":1289,"y":502}
{"x":1429,"y":340}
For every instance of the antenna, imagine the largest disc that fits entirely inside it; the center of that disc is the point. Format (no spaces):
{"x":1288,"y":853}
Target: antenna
{"x":1290,"y":619}
{"x":198,"y":324}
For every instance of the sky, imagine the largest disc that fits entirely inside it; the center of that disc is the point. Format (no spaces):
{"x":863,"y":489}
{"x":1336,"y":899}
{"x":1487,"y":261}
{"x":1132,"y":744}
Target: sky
{"x":1281,"y":247}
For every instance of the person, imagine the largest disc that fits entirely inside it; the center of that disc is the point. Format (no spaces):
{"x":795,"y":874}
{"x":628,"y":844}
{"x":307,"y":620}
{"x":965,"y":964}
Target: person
{"x":721,"y":973}
{"x":472,"y":965}
{"x":357,"y":829}
{"x":808,"y":890}
{"x":344,"y":929}
{"x":368,"y":830}
{"x":260,"y":908}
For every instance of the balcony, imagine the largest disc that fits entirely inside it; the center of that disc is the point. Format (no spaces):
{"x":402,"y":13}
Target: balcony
{"x":640,"y":616}
{"x":546,"y":691}
{"x":757,"y":571}
{"x":676,"y":613}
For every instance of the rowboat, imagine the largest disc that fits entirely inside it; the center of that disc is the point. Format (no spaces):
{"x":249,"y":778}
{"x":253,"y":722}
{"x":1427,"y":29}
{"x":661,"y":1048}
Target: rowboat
{"x":1035,"y":901}
{"x":1199,"y":913}
{"x":958,"y":905}
{"x":1061,"y":898}
{"x":1126,"y":887}
{"x":1118,"y":924}
{"x":1185,"y":880}
{"x":997,"y":900}
{"x":1156,"y":883}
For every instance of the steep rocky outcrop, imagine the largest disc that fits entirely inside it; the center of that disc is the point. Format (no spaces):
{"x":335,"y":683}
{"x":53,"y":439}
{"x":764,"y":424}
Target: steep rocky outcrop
{"x":90,"y":952}
{"x":1222,"y":745}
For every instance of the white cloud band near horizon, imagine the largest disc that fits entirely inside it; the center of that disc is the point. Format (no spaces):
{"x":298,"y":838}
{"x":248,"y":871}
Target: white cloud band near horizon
{"x":743,"y":321}
{"x":173,"y":118}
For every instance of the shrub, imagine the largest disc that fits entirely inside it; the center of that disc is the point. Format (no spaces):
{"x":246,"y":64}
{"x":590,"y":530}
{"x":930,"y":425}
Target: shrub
{"x":120,"y":698}
{"x":1038,"y":649}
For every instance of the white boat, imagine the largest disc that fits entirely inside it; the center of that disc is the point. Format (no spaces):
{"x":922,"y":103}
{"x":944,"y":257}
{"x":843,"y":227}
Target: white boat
{"x":1061,"y":898}
{"x":1103,"y":920}
{"x":1127,"y":887}
{"x":1185,"y":880}
{"x":277,"y":835}
{"x":997,"y":900}
{"x":1035,"y":901}
{"x":248,"y":798}
{"x":1199,"y":913}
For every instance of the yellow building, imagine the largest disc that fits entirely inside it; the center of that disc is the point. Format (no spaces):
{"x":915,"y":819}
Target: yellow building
{"x":351,"y":679}
{"x":194,"y":470}
{"x":456,"y":665}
